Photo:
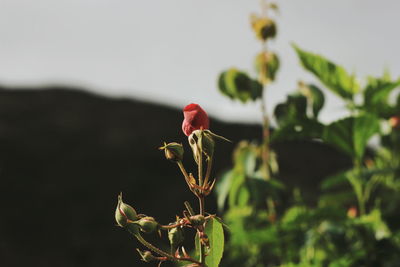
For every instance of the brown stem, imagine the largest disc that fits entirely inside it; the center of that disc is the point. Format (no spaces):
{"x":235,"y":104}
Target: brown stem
{"x":166,"y":227}
{"x":208,"y":172}
{"x":163,"y":253}
{"x":153,"y":248}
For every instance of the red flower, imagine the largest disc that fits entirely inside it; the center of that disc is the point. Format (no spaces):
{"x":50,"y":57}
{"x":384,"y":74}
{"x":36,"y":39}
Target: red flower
{"x":195,"y":118}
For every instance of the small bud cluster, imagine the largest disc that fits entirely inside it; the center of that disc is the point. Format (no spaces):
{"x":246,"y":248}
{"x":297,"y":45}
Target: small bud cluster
{"x":202,"y":142}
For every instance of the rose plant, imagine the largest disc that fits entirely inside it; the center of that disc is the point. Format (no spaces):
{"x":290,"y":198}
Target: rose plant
{"x":209,"y":237}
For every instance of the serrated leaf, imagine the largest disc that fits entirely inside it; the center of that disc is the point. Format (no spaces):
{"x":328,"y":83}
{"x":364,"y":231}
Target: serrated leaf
{"x":215,"y":235}
{"x":352,"y":134}
{"x":334,"y":77}
{"x":376,"y":95}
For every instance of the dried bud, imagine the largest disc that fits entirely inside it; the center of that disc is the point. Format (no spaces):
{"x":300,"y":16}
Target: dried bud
{"x":197,"y":220}
{"x":146,"y":256}
{"x":147,"y":224}
{"x":173,"y":151}
{"x":175,"y":236}
{"x":124,"y":213}
{"x":267,"y":65}
{"x":263,"y":27}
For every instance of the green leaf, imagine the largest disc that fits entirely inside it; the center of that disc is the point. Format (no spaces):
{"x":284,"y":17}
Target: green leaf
{"x":364,"y":128}
{"x":294,"y":108}
{"x":215,"y":235}
{"x":222,"y":188}
{"x":302,"y":129}
{"x":317,"y":98}
{"x":376,"y":95}
{"x":375,"y":222}
{"x":237,"y":182}
{"x":351,"y":134}
{"x":331,"y":75}
{"x":335,"y":180}
{"x":237,"y":85}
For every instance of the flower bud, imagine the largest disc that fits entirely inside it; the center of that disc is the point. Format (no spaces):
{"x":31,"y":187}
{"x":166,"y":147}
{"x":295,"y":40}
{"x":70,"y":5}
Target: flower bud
{"x":197,"y":220}
{"x":173,"y":151}
{"x":147,"y":224}
{"x":175,"y":236}
{"x":267,"y":65}
{"x":202,"y":141}
{"x":146,"y":255}
{"x":124,"y":213}
{"x":263,"y":27}
{"x":195,"y":118}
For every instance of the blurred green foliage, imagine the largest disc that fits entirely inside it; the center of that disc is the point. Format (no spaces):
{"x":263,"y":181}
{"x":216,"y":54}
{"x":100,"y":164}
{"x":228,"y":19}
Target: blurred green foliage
{"x":355,"y":220}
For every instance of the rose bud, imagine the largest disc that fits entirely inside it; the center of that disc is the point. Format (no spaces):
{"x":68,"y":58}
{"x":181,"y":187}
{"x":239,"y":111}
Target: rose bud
{"x":263,"y":27}
{"x":124,"y":213}
{"x":146,"y":255}
{"x":175,"y":236}
{"x":197,"y":220}
{"x":195,"y":118}
{"x":147,"y":224}
{"x":173,"y":151}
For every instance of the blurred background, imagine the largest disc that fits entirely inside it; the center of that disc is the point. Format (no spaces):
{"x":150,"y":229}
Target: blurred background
{"x":90,"y":89}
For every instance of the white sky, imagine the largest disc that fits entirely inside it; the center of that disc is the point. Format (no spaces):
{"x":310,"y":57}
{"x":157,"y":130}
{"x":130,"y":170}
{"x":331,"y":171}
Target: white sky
{"x":172,"y":51}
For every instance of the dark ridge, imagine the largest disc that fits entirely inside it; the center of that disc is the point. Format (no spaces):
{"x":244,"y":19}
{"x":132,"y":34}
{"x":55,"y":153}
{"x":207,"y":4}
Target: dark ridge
{"x":65,"y":154}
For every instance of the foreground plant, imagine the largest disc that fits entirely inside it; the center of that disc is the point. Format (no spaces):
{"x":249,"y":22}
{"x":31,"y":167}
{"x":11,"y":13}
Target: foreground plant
{"x":209,"y":238}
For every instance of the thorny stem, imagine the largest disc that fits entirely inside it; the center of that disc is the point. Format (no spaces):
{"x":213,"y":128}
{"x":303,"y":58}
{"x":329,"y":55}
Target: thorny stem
{"x":183,"y":170}
{"x":163,"y":253}
{"x":208,"y":172}
{"x":153,"y":248}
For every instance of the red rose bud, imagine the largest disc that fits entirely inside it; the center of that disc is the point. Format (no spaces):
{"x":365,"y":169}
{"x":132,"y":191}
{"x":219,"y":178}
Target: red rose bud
{"x":173,"y":151}
{"x":195,"y":118}
{"x":147,"y":224}
{"x":124,"y":213}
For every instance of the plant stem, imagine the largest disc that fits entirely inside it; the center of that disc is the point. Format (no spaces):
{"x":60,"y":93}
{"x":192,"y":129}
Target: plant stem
{"x":200,"y":168}
{"x":153,"y":248}
{"x":163,"y":253}
{"x":208,"y":172}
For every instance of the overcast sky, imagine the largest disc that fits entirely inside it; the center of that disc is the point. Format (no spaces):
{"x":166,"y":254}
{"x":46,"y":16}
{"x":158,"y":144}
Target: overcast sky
{"x":171,"y":51}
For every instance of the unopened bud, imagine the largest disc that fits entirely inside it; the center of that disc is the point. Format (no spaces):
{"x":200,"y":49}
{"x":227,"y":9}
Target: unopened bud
{"x":124,"y":213}
{"x":173,"y":151}
{"x":202,"y":141}
{"x":267,"y":65}
{"x":147,"y":224}
{"x":197,"y":220}
{"x":175,"y":236}
{"x":146,"y":255}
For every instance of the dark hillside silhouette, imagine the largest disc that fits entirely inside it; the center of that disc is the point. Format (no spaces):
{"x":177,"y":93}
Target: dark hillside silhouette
{"x":65,"y":154}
